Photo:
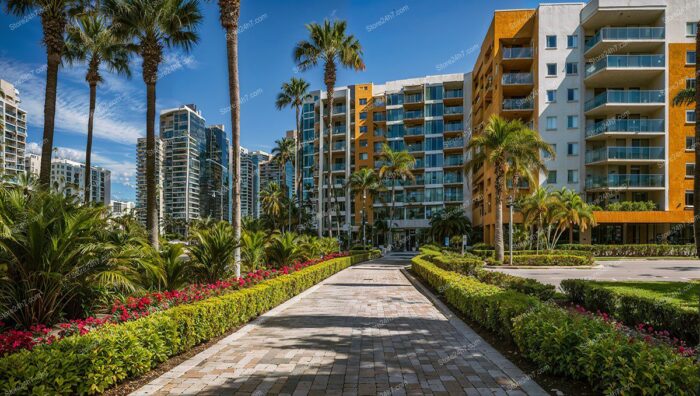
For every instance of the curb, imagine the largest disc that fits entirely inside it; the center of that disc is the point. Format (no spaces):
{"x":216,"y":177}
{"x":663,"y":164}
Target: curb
{"x":598,"y":266}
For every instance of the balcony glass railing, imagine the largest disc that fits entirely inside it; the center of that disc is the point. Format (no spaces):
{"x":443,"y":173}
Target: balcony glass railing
{"x":454,"y":143}
{"x":625,"y":181}
{"x":415,"y":197}
{"x":454,"y":161}
{"x":626,"y":97}
{"x":453,"y":196}
{"x":414,"y":131}
{"x":339,"y":130}
{"x":339,"y":109}
{"x":378,"y":116}
{"x":626,"y":61}
{"x":452,"y":178}
{"x":412,"y":148}
{"x":453,"y":93}
{"x":626,"y":125}
{"x":518,"y":104}
{"x":626,"y":33}
{"x":413,"y":114}
{"x":625,"y":153}
{"x":420,"y":164}
{"x":339,"y":146}
{"x":379,"y":103}
{"x":454,"y":110}
{"x":517,"y":78}
{"x":454,"y":127}
{"x":413,"y":98}
{"x":517,"y":53}
{"x":338,"y":167}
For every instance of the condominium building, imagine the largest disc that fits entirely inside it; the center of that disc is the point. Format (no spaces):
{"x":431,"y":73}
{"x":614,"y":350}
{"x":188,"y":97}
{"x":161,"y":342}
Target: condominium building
{"x":68,"y":177}
{"x":216,"y":178}
{"x":597,"y":80}
{"x":251,"y":181}
{"x":13,"y":131}
{"x":32,"y":164}
{"x":121,"y":208}
{"x":141,"y":157}
{"x":425,"y":116}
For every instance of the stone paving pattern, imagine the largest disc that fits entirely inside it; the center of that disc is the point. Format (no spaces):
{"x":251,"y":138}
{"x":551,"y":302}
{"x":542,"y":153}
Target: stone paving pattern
{"x":364,"y":331}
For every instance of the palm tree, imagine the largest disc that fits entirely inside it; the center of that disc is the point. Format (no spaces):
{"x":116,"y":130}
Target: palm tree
{"x":284,"y":249}
{"x":213,"y":252}
{"x":574,"y":211}
{"x":449,"y":222}
{"x":91,"y":40}
{"x":396,"y":165}
{"x":498,"y":146}
{"x":253,"y":245}
{"x":283,"y":153}
{"x":329,"y":44}
{"x":150,"y":26}
{"x":292,"y":94}
{"x":229,"y":14}
{"x":526,"y":161}
{"x":55,"y":16}
{"x":535,"y":208}
{"x":271,"y":200}
{"x":364,"y":182}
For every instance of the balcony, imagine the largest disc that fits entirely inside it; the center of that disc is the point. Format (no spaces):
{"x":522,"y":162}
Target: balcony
{"x":616,"y":181}
{"x":453,"y":143}
{"x":452,"y":161}
{"x":412,"y":98}
{"x":414,"y":131}
{"x":514,"y":53}
{"x":339,"y":130}
{"x":453,"y":178}
{"x":338,"y":167}
{"x":633,"y":69}
{"x":517,"y":79}
{"x":630,"y":101}
{"x":339,"y":146}
{"x":454,"y":127}
{"x":625,"y":155}
{"x":518,"y":104}
{"x":449,"y":110}
{"x":453,"y":94}
{"x":413,"y":115}
{"x":412,"y":148}
{"x":453,"y":196}
{"x":634,"y":39}
{"x":621,"y":127}
{"x":337,"y":110}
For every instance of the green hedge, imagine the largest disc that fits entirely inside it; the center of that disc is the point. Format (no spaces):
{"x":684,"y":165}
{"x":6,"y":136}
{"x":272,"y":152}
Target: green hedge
{"x":372,"y":253}
{"x":681,"y":322}
{"x":566,"y":343}
{"x":659,"y":250}
{"x":583,"y":253}
{"x":96,"y":361}
{"x":543,"y":260}
{"x":455,"y":263}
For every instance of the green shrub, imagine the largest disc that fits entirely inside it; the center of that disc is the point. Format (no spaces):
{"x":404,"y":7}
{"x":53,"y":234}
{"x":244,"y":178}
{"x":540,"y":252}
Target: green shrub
{"x":641,"y":250}
{"x":583,"y":253}
{"x":527,"y":286}
{"x":632,"y":309}
{"x":589,"y":349}
{"x":455,"y":263}
{"x":627,"y":206}
{"x":482,"y":253}
{"x":482,"y":246}
{"x":96,"y":361}
{"x":537,"y":260}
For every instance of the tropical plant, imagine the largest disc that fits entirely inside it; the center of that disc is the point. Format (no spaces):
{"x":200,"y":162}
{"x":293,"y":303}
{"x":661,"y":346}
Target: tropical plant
{"x":91,"y":39}
{"x":365,"y":183}
{"x":284,"y":249}
{"x":272,"y":201}
{"x":229,"y":15}
{"x":175,"y":267}
{"x":283,"y":153}
{"x":449,"y":222}
{"x":329,"y":44}
{"x":525,"y":160}
{"x":55,"y":16}
{"x":213,"y":252}
{"x":310,"y":246}
{"x":396,"y":165}
{"x":150,"y":26}
{"x":499,"y":145}
{"x":253,"y":245}
{"x":292,"y":94}
{"x":573,"y":212}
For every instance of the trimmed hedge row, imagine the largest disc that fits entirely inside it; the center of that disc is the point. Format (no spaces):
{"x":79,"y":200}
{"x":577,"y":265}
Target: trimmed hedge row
{"x":455,"y":263}
{"x":566,"y":343}
{"x":98,"y":360}
{"x":633,"y":309}
{"x":543,"y":260}
{"x":657,"y":250}
{"x":490,"y":253}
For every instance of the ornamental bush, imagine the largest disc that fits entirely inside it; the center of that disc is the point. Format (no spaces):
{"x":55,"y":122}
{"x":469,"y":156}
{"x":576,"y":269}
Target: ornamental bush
{"x":537,"y":260}
{"x":641,"y":250}
{"x":98,"y":360}
{"x":682,"y":322}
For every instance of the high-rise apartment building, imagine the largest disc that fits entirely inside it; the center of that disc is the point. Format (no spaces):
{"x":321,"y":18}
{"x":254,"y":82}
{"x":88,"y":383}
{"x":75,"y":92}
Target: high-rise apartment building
{"x":141,"y":156}
{"x":121,"y":208}
{"x":425,"y":116}
{"x":597,"y":80}
{"x":13,"y":131}
{"x":216,"y":178}
{"x":68,"y":177}
{"x":252,"y":181}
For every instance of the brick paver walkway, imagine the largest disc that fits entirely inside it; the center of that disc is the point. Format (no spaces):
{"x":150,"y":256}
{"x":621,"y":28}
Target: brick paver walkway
{"x":364,"y":331}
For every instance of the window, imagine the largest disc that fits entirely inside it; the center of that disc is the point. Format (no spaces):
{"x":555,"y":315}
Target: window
{"x":551,"y":69}
{"x":572,"y":94}
{"x":571,"y":68}
{"x":363,"y":101}
{"x":572,"y":121}
{"x":690,"y":170}
{"x":363,"y":142}
{"x":434,"y":160}
{"x":546,"y":155}
{"x":363,"y":115}
{"x":551,"y":95}
{"x":690,"y":116}
{"x":552,"y":177}
{"x":378,"y":147}
{"x":433,"y":143}
{"x":690,"y":142}
{"x":551,"y":41}
{"x":690,"y":58}
{"x":690,"y":83}
{"x":572,"y":41}
{"x":572,"y":176}
{"x":691,"y":29}
{"x":689,"y":198}
{"x":551,"y":123}
{"x":572,"y":149}
{"x":364,"y":156}
{"x":363,"y":129}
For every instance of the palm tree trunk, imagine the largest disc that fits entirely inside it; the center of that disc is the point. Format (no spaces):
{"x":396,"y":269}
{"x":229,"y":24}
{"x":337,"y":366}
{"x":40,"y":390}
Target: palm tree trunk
{"x":297,"y":165}
{"x":88,"y":147}
{"x":234,"y":97}
{"x":391,"y":212}
{"x":696,"y":182}
{"x":52,"y":64}
{"x":499,"y":213}
{"x":151,"y":201}
{"x":571,"y":233}
{"x":329,"y":89}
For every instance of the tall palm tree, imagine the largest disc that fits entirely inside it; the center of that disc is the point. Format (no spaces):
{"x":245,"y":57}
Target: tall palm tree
{"x":396,"y":165}
{"x":329,"y":44}
{"x":91,"y":40}
{"x":535,"y":209}
{"x":498,"y":146}
{"x":283,"y":153}
{"x":271,"y":200}
{"x":364,"y":182}
{"x":526,"y":160}
{"x":55,"y":16}
{"x":151,"y":26}
{"x":229,"y":14}
{"x":574,"y":211}
{"x":292,"y":94}
{"x":449,"y":222}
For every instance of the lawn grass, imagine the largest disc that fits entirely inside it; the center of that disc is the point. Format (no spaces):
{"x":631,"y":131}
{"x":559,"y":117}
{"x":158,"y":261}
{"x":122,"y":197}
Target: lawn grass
{"x":681,"y":294}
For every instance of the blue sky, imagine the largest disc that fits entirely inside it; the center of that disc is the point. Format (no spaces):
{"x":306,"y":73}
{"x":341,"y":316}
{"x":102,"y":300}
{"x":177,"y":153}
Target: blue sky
{"x":401,"y":39}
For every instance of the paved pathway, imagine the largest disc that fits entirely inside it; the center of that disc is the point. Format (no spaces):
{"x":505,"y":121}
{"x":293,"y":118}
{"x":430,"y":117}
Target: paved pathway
{"x":364,"y":331}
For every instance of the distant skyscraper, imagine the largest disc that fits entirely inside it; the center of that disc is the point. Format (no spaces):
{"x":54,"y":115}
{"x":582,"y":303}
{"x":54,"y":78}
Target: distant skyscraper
{"x":121,"y":208}
{"x":69,"y":177}
{"x":32,"y":164}
{"x":13,"y":131}
{"x":141,"y":179}
{"x":215,"y":181}
{"x":247,"y":187}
